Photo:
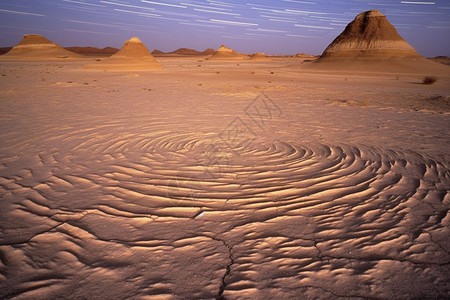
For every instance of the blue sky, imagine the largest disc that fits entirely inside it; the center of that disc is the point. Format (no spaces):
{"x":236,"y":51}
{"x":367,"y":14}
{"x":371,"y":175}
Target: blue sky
{"x":270,"y":26}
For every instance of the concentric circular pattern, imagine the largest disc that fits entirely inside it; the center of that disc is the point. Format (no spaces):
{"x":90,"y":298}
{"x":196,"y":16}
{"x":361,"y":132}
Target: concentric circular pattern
{"x":269,"y":219}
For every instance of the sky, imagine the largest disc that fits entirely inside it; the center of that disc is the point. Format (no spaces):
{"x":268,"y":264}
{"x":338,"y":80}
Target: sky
{"x":247,"y":26}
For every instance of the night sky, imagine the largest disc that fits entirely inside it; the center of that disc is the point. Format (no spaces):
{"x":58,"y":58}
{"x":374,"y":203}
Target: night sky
{"x":248,"y":26}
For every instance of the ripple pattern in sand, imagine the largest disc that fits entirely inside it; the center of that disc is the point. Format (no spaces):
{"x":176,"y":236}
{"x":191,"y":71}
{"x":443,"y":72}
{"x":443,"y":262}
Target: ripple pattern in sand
{"x":265,"y":220}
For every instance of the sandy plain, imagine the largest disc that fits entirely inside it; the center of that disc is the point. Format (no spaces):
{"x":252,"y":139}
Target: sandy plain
{"x":225,"y":180}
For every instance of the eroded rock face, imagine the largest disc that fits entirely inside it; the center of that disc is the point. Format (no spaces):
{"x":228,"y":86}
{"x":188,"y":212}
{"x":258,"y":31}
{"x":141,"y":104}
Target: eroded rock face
{"x":371,"y":44}
{"x":369,"y":34}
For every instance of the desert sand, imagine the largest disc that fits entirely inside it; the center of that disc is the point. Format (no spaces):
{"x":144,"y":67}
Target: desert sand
{"x":183,"y":177}
{"x":205,"y":180}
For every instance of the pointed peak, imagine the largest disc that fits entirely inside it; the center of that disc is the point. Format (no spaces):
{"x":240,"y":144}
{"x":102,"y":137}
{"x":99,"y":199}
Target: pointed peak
{"x":133,"y":48}
{"x":369,"y":14}
{"x":369,"y":34}
{"x":132,"y":56}
{"x":223,"y":48}
{"x":134,"y":40}
{"x":224,"y":52}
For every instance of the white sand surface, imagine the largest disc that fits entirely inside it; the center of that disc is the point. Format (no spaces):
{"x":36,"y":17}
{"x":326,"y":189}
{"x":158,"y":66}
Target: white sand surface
{"x":250,"y":180}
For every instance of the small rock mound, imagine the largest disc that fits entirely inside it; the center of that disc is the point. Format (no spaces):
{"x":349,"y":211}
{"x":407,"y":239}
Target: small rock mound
{"x":225,"y":50}
{"x":259,"y":56}
{"x":225,"y":53}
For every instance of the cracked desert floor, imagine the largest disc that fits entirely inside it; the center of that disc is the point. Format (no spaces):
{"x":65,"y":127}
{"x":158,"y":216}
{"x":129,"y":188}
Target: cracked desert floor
{"x":222,"y":180}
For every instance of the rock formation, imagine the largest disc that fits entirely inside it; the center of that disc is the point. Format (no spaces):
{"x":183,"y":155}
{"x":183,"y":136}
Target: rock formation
{"x":132,"y":56}
{"x":225,"y":53}
{"x":369,"y":34}
{"x":37,"y":47}
{"x":371,"y":44}
{"x":259,"y":56}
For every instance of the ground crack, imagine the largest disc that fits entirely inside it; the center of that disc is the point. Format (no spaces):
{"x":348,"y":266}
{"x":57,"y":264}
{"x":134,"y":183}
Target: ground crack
{"x":228,"y":267}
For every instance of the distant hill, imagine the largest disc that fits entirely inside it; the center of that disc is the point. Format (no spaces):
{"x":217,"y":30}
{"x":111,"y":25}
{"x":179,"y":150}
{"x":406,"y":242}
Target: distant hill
{"x":5,"y":50}
{"x":209,"y":51}
{"x":184,"y":51}
{"x":157,"y":52}
{"x":107,"y":51}
{"x":303,"y":55}
{"x":441,"y":59}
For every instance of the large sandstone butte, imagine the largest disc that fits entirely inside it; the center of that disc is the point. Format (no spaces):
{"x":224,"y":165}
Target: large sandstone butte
{"x":35,"y":46}
{"x":132,"y":56}
{"x":369,"y":34}
{"x":371,"y":44}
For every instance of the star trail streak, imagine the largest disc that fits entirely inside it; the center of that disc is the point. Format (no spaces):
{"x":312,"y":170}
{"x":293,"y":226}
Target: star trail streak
{"x":200,"y":24}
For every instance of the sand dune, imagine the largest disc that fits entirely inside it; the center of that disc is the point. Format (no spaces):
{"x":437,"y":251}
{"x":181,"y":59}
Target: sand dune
{"x":222,"y":182}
